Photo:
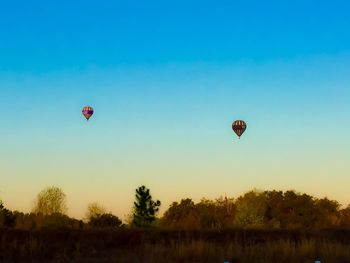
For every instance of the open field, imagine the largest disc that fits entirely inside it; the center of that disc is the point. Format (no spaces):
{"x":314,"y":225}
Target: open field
{"x":153,"y":246}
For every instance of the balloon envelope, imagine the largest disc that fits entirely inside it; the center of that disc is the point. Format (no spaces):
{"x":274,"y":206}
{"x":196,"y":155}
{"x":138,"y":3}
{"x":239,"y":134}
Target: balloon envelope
{"x":87,"y":112}
{"x":239,"y":127}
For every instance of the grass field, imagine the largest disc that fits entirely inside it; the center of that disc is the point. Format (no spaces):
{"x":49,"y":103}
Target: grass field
{"x":153,"y":246}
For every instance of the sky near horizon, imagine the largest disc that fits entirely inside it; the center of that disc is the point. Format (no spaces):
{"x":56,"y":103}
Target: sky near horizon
{"x":166,"y":80}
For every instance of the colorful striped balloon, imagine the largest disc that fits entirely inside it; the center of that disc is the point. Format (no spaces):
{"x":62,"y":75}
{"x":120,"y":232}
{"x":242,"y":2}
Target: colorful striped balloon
{"x":239,"y":127}
{"x":87,"y":112}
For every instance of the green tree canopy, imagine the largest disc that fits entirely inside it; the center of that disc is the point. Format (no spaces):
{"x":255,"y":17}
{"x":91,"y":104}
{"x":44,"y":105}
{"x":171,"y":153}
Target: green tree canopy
{"x":250,"y":210}
{"x":145,"y":209}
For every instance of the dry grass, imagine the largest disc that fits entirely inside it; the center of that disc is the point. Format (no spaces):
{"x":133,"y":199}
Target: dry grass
{"x":156,"y":246}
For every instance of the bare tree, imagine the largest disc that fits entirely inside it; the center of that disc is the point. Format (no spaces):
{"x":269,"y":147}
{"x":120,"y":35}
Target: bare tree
{"x":51,"y":200}
{"x":93,"y":210}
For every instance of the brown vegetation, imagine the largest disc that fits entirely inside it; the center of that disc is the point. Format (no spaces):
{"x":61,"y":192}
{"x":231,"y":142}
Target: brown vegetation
{"x":270,"y":226}
{"x":132,"y":245}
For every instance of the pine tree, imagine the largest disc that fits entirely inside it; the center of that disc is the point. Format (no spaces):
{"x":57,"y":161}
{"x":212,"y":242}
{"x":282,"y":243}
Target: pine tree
{"x":145,"y":208}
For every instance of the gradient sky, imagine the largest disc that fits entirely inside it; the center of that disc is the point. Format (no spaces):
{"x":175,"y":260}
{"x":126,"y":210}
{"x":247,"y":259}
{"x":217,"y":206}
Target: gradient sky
{"x":166,"y":79}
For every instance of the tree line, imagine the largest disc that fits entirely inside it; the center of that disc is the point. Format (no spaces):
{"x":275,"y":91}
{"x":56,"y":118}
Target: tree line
{"x":254,"y":209}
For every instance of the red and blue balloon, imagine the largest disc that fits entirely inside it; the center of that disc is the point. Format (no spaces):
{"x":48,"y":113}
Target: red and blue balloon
{"x":88,"y":112}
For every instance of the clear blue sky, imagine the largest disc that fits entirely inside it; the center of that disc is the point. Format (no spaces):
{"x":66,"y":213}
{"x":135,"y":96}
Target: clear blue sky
{"x":166,"y":80}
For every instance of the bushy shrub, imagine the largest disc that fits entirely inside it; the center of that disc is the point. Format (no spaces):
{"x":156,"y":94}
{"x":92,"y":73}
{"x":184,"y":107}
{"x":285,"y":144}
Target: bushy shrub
{"x":105,"y":220}
{"x":7,"y":217}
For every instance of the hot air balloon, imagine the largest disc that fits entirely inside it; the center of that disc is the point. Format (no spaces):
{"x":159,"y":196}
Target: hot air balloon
{"x":87,"y":112}
{"x":239,"y":127}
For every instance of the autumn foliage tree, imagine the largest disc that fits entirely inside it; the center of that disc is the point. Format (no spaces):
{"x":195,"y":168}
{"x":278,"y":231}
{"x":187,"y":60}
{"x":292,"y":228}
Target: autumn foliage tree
{"x":258,"y":209}
{"x":250,"y":210}
{"x":254,"y":209}
{"x":51,"y":200}
{"x":345,"y":217}
{"x":182,"y":215}
{"x":207,"y":214}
